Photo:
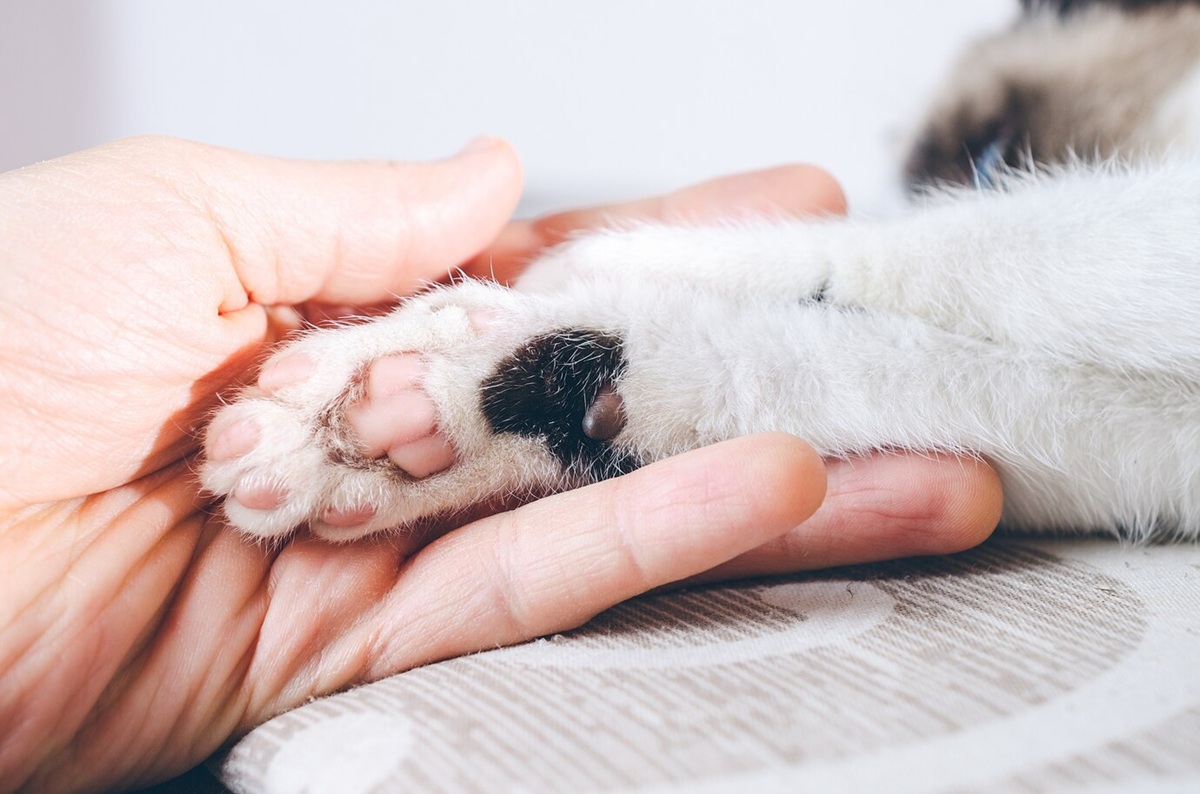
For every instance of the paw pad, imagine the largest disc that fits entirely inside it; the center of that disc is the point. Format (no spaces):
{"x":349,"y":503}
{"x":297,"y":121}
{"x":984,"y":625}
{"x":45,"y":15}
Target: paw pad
{"x":561,"y":388}
{"x":352,"y":432}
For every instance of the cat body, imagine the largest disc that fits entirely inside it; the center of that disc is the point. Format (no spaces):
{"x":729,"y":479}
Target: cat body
{"x":1092,"y":80}
{"x":1050,"y":324}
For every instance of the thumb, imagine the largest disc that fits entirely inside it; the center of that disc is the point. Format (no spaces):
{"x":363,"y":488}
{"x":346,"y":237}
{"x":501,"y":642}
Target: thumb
{"x":354,"y":232}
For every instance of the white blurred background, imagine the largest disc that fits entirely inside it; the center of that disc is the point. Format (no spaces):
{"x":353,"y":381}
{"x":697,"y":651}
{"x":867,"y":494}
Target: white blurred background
{"x":604,"y":100}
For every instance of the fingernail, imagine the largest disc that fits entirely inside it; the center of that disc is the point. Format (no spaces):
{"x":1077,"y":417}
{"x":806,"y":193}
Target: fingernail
{"x":480,"y":144}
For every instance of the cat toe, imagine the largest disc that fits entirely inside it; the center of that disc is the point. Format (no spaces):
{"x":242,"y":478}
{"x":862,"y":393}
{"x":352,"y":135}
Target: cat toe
{"x":260,"y":495}
{"x":256,"y":455}
{"x":232,"y":440}
{"x":395,"y":418}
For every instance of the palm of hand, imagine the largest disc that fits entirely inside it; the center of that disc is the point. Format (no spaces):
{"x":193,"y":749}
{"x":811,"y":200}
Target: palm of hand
{"x":156,"y":307}
{"x":111,"y":368}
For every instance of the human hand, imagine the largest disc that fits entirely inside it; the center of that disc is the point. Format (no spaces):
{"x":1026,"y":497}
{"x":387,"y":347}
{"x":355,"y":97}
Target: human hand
{"x":137,"y":634}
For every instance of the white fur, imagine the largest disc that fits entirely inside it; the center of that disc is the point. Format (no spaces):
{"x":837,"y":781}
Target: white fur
{"x":1052,"y":326}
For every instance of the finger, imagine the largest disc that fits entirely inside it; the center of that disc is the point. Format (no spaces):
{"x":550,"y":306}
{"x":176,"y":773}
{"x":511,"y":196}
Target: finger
{"x":794,"y":191}
{"x":518,"y":244}
{"x":335,"y":314}
{"x":783,"y":191}
{"x":351,"y":232}
{"x":884,"y":506}
{"x":554,"y":563}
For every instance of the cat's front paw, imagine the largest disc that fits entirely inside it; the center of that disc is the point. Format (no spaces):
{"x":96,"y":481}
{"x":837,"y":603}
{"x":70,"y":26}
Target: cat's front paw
{"x":461,"y":396}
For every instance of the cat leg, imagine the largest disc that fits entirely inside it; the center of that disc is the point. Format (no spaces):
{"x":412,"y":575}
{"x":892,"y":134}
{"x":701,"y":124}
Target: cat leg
{"x":477,"y":391}
{"x":462,"y":395}
{"x":1098,"y":263}
{"x":749,"y":260}
{"x":729,"y":330}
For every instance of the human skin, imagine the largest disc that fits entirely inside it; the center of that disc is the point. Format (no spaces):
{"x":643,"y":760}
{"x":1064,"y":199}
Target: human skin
{"x":144,"y":278}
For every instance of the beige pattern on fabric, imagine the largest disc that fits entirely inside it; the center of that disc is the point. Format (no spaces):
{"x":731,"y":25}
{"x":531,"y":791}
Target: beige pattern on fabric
{"x":1023,"y":665}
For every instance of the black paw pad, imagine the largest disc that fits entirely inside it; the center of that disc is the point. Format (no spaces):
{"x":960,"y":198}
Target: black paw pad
{"x":605,"y":417}
{"x":560,"y":388}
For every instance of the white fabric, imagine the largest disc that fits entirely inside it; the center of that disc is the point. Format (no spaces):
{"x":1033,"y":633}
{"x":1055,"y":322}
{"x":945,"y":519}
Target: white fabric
{"x":1024,"y":665}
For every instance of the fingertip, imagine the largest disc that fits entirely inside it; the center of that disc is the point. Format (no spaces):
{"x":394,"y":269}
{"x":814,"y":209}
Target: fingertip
{"x":966,"y":503}
{"x":882,"y":506}
{"x":746,"y":490}
{"x":785,"y":476}
{"x":358,"y":232}
{"x":799,"y":189}
{"x":820,"y":192}
{"x":454,"y":208}
{"x":949,"y":503}
{"x":498,"y":151}
{"x":795,"y":190}
{"x":908,"y":504}
{"x":491,"y":159}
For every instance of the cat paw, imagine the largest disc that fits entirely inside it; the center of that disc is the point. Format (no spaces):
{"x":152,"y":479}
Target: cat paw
{"x":457,"y":397}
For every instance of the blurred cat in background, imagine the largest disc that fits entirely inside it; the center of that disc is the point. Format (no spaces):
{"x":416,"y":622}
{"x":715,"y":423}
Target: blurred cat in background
{"x":1072,"y":79}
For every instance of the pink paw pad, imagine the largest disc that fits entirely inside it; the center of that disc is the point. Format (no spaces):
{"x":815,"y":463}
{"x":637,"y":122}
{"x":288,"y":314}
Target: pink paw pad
{"x":233,"y":440}
{"x":423,"y":457}
{"x":260,"y":496}
{"x":350,"y":517}
{"x":397,"y":419}
{"x":482,"y":320}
